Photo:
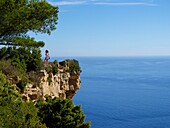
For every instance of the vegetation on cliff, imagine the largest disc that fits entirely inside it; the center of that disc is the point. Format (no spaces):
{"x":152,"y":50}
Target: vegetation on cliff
{"x":63,"y":112}
{"x":52,"y":113}
{"x":21,"y":59}
{"x":14,"y":112}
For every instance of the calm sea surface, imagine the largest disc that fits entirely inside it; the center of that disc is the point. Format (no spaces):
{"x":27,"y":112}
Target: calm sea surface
{"x":125,"y":92}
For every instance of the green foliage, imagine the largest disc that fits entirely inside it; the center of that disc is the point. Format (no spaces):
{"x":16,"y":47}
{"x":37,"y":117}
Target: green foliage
{"x":25,"y":59}
{"x":21,"y":16}
{"x":3,"y":52}
{"x":7,"y":68}
{"x":55,"y":70}
{"x":14,"y":112}
{"x":73,"y":66}
{"x":2,"y":79}
{"x":27,"y":41}
{"x":19,"y":61}
{"x":7,"y":92}
{"x":52,"y":67}
{"x":35,"y":78}
{"x":17,"y":18}
{"x":34,"y":63}
{"x":19,"y":115}
{"x":20,"y":64}
{"x":48,"y":68}
{"x":10,"y":70}
{"x":49,"y":79}
{"x":53,"y":112}
{"x":60,"y":113}
{"x":55,"y":62}
{"x":22,"y":84}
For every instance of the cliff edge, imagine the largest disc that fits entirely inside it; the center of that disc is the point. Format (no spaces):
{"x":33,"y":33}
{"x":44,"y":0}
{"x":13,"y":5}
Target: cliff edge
{"x":56,"y":80}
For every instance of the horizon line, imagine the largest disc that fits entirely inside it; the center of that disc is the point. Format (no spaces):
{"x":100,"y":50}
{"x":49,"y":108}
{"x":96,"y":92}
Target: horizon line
{"x":114,"y":56}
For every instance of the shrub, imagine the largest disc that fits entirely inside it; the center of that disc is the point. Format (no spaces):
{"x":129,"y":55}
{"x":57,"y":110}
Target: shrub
{"x":49,"y":79}
{"x":54,"y":70}
{"x":73,"y":66}
{"x":52,"y":67}
{"x":14,"y":112}
{"x":35,"y":78}
{"x":3,"y":52}
{"x":60,"y":113}
{"x":26,"y":59}
{"x":10,"y":70}
{"x":22,"y":84}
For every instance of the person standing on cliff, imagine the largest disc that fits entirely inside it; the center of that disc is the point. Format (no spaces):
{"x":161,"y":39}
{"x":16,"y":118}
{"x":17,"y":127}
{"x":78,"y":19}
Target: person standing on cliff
{"x":47,"y":57}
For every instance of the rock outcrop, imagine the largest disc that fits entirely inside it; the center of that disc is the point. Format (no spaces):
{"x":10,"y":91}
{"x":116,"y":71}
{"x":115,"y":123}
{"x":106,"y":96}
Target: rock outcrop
{"x":63,"y":84}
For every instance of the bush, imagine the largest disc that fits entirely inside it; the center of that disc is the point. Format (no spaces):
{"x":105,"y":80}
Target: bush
{"x":34,"y":63}
{"x":3,"y":52}
{"x":11,"y":71}
{"x":52,"y":67}
{"x":26,"y":59}
{"x":54,"y":70}
{"x":35,"y":78}
{"x":20,"y":64}
{"x":73,"y":66}
{"x":14,"y":112}
{"x":22,"y":84}
{"x":60,"y":113}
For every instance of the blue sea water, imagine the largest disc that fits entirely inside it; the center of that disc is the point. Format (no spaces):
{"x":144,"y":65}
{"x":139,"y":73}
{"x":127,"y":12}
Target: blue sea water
{"x":125,"y":92}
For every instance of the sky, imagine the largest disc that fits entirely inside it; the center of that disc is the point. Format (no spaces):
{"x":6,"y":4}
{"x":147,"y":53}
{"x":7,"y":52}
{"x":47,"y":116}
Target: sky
{"x":110,"y":28}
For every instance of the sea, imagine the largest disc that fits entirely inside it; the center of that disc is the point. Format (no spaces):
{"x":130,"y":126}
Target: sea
{"x":125,"y":92}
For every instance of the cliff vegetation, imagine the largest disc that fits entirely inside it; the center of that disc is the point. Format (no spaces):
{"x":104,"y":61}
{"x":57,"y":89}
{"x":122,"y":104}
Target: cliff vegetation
{"x":33,"y":94}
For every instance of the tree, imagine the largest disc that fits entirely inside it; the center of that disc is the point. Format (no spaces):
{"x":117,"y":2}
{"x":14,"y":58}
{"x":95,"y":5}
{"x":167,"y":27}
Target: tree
{"x":14,"y":112}
{"x":23,"y":58}
{"x":61,"y":113}
{"x":26,"y":59}
{"x":18,"y":17}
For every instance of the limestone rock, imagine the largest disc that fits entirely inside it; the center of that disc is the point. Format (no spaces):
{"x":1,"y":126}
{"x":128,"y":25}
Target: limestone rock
{"x":63,"y":84}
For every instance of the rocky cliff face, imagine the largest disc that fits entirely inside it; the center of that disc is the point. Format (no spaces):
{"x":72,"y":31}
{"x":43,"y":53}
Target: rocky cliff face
{"x":63,"y":84}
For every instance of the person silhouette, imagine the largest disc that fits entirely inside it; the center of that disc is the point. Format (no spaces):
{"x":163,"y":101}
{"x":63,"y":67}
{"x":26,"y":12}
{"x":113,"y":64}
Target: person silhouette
{"x":47,"y":57}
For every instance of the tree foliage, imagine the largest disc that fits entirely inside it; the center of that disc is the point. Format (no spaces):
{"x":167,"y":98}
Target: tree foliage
{"x":17,"y":62}
{"x":59,"y":113}
{"x":14,"y":112}
{"x":73,"y":66}
{"x":25,"y":59}
{"x":18,"y":17}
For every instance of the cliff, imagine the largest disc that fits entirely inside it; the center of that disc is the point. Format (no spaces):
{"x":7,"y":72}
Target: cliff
{"x":62,"y":82}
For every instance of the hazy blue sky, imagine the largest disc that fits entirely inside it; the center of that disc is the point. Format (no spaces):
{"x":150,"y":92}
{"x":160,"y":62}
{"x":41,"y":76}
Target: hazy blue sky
{"x":110,"y":28}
